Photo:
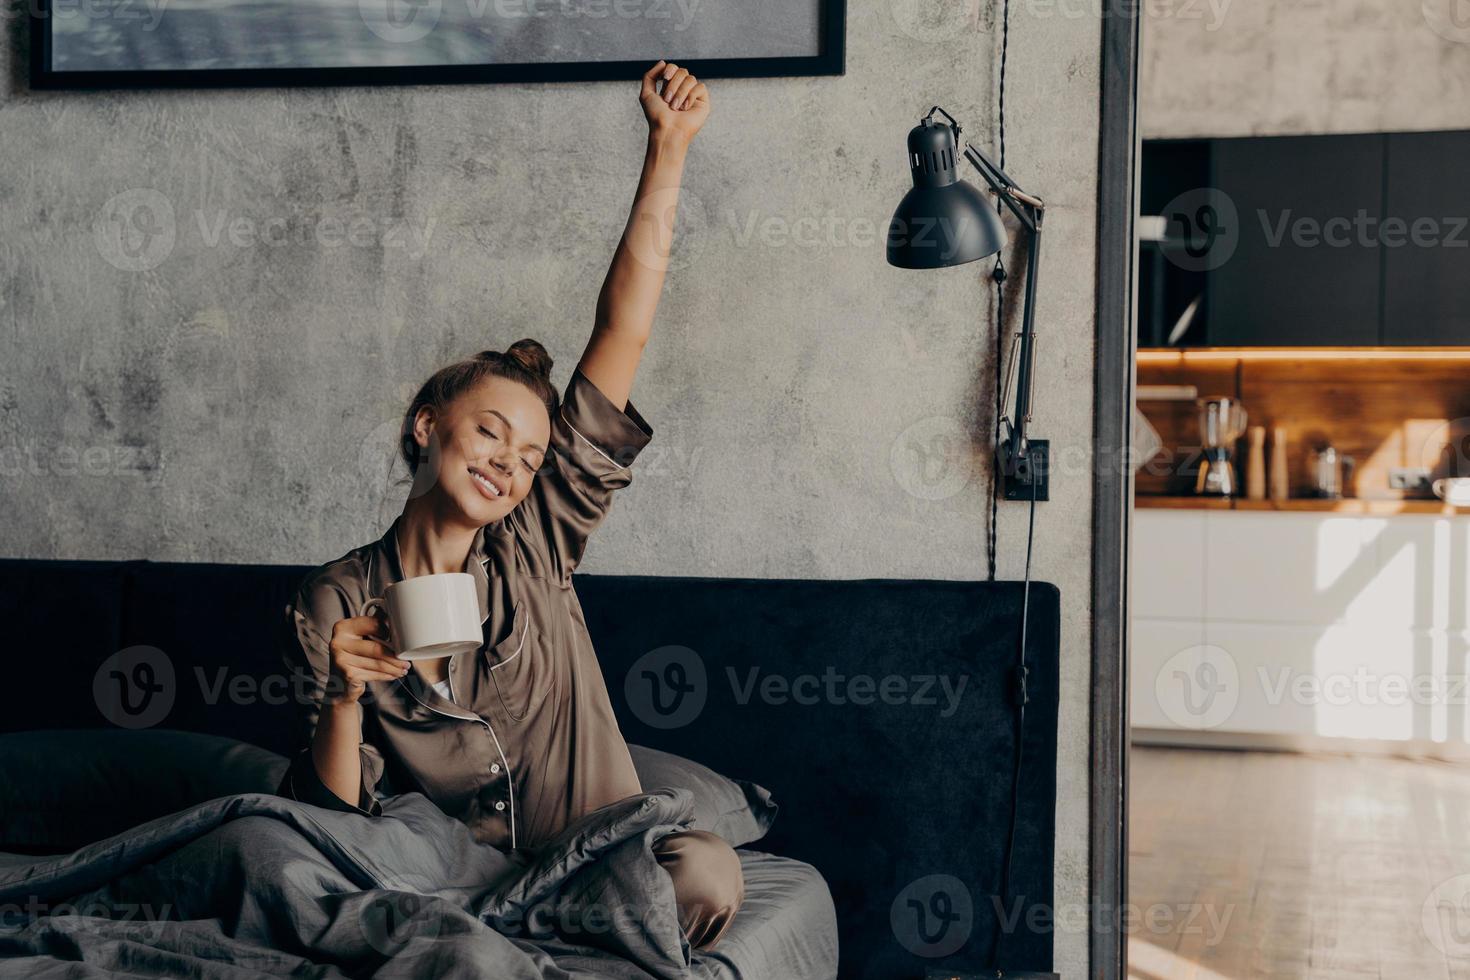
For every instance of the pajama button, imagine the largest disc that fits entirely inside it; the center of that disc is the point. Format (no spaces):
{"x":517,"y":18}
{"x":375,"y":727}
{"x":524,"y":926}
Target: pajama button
{"x":500,"y":805}
{"x":494,"y":767}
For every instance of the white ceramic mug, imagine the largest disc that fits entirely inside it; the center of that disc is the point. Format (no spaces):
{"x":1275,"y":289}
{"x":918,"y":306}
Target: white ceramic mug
{"x":431,"y":616}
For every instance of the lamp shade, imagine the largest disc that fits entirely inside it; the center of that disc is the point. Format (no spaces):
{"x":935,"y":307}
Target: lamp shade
{"x":942,"y":221}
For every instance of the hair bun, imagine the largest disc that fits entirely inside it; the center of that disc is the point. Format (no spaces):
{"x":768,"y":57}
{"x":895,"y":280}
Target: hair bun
{"x":531,"y":356}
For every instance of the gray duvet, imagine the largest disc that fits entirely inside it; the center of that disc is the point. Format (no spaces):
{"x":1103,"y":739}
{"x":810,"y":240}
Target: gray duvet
{"x":253,"y":885}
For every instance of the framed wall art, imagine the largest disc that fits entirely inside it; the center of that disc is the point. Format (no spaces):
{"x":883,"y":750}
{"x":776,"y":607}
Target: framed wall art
{"x":150,"y":43}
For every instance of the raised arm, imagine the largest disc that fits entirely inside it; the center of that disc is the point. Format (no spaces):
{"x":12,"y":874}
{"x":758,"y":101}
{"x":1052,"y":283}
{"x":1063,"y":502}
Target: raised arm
{"x":676,"y":104}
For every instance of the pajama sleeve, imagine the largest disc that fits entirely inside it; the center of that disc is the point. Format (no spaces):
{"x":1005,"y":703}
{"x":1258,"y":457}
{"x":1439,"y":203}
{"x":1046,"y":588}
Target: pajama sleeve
{"x":593,"y":444}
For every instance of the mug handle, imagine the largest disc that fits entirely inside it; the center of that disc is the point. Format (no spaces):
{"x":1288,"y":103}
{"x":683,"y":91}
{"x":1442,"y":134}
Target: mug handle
{"x":375,"y":605}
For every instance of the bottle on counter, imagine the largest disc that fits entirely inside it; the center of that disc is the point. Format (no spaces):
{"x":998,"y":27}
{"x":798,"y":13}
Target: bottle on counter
{"x":1255,"y":463}
{"x":1280,"y":475}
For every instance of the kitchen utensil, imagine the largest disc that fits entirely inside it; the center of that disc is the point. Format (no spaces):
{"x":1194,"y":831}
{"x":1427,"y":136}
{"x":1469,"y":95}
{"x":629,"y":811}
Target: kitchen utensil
{"x":1221,"y":423}
{"x":1453,"y":490}
{"x":1255,"y":464}
{"x":1280,"y":474}
{"x":1146,"y":441}
{"x":1331,"y":472}
{"x":431,"y":616}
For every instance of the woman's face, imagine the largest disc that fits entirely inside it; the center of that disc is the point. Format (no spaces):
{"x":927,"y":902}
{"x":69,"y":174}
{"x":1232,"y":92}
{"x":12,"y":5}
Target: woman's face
{"x":485,"y":448}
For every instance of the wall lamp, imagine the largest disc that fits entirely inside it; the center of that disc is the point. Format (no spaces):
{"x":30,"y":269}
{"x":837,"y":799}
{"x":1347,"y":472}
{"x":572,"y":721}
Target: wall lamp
{"x":943,"y":222}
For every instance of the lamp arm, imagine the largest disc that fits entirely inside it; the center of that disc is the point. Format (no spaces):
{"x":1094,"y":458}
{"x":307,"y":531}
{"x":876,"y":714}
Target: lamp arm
{"x":1029,"y":211}
{"x":1011,"y":187}
{"x":1025,"y":207}
{"x":1026,"y":371}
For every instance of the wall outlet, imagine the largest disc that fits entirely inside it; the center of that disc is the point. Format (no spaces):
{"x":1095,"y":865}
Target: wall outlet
{"x":1411,"y":478}
{"x":1026,"y":475}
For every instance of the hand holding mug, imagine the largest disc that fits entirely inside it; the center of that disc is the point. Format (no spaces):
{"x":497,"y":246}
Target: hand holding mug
{"x":421,"y":618}
{"x":358,"y":655}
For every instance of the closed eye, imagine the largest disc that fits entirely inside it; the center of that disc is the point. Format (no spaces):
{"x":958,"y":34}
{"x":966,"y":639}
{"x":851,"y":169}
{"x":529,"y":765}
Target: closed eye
{"x":530,"y":465}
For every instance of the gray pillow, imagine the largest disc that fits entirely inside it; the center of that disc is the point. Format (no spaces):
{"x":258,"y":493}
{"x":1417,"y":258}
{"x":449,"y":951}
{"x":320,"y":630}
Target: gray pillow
{"x":739,"y":811}
{"x":61,"y":790}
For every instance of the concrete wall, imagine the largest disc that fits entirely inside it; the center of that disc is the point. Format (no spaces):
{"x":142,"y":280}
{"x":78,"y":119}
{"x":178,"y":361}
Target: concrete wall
{"x":231,"y":391}
{"x":1291,"y":67}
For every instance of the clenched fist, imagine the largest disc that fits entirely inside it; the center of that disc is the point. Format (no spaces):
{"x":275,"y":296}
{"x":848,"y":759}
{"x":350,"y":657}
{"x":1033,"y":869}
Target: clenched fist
{"x":675,"y":103}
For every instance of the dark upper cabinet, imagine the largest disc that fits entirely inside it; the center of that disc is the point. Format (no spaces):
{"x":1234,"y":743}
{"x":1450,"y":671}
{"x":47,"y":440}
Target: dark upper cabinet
{"x":1426,"y":250}
{"x":1303,"y":271}
{"x":1172,"y":291}
{"x":1359,"y":240}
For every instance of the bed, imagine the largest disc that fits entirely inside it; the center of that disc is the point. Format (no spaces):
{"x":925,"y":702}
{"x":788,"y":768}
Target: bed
{"x":164,"y":853}
{"x":879,"y":796}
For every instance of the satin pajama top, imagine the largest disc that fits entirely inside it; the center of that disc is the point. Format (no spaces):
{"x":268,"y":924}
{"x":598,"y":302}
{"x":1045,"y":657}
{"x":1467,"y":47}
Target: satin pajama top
{"x":527,"y":741}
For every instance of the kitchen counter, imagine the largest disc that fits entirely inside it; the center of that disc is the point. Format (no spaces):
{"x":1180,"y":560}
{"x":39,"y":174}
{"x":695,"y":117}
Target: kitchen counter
{"x":1354,"y":505}
{"x":1314,"y":628}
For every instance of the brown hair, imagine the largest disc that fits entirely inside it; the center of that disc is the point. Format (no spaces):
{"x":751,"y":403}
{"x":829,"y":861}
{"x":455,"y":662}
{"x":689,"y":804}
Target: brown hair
{"x":524,"y":361}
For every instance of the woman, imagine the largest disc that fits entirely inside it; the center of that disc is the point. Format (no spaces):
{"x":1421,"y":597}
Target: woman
{"x":517,"y":739}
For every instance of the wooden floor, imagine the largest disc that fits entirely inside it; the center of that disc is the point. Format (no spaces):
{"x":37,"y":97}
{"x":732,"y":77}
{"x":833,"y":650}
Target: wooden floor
{"x":1261,"y":864}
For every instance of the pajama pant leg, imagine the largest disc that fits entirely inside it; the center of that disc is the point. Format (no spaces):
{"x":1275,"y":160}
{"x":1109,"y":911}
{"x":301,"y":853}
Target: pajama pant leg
{"x":708,"y":883}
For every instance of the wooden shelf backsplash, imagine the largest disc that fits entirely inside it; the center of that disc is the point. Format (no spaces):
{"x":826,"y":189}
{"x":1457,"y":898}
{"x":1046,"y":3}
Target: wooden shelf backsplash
{"x":1365,"y":508}
{"x":1385,"y":412}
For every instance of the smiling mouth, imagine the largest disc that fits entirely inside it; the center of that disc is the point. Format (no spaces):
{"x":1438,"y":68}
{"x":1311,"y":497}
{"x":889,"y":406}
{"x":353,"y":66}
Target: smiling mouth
{"x":487,"y":486}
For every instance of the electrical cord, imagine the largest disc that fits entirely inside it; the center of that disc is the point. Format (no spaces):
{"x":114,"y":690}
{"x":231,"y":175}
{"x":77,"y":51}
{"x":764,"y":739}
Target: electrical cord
{"x":1020,"y":672}
{"x":995,"y":484}
{"x":1020,"y":675}
{"x":1005,"y":42}
{"x":998,"y":274}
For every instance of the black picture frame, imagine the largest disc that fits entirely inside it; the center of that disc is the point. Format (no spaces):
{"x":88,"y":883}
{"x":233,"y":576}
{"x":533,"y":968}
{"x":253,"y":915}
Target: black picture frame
{"x":830,"y":60}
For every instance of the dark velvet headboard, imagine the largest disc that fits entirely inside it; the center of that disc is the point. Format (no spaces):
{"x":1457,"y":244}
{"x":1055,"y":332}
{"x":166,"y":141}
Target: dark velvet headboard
{"x":830,"y":693}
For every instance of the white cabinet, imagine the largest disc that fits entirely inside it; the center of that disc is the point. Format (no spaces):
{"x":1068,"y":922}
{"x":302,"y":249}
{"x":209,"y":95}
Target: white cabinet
{"x":1170,"y":583}
{"x":1159,"y":650}
{"x":1271,"y":567}
{"x":1301,"y":624}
